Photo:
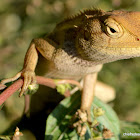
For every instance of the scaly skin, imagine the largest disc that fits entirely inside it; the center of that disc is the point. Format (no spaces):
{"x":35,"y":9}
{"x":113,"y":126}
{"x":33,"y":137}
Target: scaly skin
{"x":79,"y":46}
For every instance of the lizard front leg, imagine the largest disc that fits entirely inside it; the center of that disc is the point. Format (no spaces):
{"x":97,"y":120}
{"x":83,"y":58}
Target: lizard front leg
{"x":88,"y":94}
{"x":37,"y":46}
{"x":27,"y":72}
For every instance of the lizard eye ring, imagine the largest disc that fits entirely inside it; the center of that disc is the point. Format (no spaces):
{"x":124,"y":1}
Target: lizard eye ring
{"x":113,"y":29}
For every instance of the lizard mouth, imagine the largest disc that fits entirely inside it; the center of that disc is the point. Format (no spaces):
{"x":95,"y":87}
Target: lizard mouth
{"x":122,"y":48}
{"x":113,"y":50}
{"x":110,"y":54}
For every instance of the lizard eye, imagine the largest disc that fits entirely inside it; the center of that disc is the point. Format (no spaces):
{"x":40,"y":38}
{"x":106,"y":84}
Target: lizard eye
{"x":113,"y":29}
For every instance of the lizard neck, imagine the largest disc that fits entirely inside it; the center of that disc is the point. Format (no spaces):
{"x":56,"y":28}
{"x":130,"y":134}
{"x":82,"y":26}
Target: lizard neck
{"x":78,"y":58}
{"x":90,"y":53}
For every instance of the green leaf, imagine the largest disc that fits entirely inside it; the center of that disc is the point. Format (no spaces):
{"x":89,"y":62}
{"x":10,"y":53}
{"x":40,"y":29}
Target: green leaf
{"x":58,"y":122}
{"x":109,"y":120}
{"x":130,"y":128}
{"x":5,"y":138}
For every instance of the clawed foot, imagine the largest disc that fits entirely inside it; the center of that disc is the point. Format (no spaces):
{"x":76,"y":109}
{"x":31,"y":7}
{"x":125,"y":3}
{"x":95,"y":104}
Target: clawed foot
{"x":80,"y":125}
{"x":83,"y":120}
{"x":28,"y":77}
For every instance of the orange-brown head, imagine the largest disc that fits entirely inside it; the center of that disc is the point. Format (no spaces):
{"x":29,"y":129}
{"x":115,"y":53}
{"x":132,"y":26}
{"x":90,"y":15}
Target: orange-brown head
{"x":109,"y":36}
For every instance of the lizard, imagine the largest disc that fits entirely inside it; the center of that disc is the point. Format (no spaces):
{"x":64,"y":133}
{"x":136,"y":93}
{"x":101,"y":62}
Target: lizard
{"x":79,"y":46}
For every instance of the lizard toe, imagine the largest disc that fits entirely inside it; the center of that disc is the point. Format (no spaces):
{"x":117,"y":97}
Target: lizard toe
{"x":11,"y":79}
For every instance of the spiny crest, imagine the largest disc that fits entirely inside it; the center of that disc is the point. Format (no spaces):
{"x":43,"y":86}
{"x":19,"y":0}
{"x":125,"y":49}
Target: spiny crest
{"x":78,"y":18}
{"x":92,"y":11}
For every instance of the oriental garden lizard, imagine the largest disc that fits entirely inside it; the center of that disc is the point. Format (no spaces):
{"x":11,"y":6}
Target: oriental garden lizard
{"x":79,"y":46}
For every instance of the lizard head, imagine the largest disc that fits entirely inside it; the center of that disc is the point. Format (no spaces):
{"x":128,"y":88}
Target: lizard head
{"x":109,"y":36}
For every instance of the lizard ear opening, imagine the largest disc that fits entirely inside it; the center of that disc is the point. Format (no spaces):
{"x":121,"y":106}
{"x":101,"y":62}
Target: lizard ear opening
{"x":113,"y":29}
{"x":86,"y":35}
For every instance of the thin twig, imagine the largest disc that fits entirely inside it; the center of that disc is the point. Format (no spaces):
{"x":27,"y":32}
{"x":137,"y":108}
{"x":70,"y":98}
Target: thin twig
{"x":27,"y":104}
{"x":46,"y":81}
{"x":40,"y":80}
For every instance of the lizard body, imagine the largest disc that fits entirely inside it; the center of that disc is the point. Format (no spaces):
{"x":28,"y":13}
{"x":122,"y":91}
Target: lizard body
{"x":74,"y":56}
{"x":65,"y":65}
{"x":79,"y":46}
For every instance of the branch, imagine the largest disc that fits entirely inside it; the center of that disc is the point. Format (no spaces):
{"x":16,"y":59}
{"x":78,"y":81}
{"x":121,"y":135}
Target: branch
{"x":10,"y":90}
{"x":40,"y":80}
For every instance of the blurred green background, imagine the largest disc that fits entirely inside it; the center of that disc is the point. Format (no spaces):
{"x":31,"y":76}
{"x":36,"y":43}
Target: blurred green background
{"x":23,"y":20}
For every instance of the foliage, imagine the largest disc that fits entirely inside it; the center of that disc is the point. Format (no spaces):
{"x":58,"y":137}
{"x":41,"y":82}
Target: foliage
{"x":58,"y":122}
{"x":23,"y":20}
